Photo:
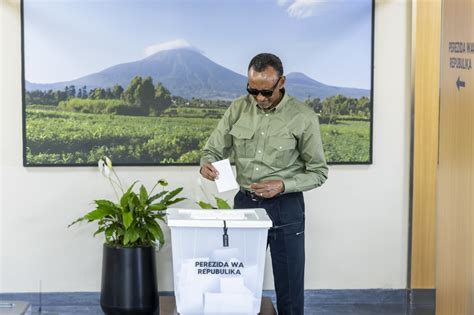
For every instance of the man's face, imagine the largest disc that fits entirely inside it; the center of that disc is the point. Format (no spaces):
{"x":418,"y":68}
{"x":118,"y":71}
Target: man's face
{"x":266,"y":80}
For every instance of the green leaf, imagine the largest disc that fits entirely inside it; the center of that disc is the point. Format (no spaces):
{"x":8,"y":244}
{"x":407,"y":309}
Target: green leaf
{"x":171,"y":202}
{"x":221,"y":203}
{"x":132,"y":235}
{"x":163,"y":182}
{"x":143,"y":195}
{"x":160,"y":217}
{"x":100,"y":230}
{"x":109,"y":232}
{"x":172,"y":194}
{"x":133,"y":201}
{"x":126,"y":238}
{"x":127,"y":219}
{"x":118,"y":230}
{"x":106,"y":204}
{"x":157,"y":207}
{"x":155,"y":229}
{"x":131,"y":186}
{"x":204,"y":205}
{"x":97,"y":214}
{"x":142,"y":234}
{"x":158,"y":195}
{"x":124,"y":200}
{"x":76,"y":221}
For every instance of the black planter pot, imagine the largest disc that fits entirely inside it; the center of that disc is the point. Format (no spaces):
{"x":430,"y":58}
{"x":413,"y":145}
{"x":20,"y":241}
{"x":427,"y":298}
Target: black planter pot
{"x":129,"y":281}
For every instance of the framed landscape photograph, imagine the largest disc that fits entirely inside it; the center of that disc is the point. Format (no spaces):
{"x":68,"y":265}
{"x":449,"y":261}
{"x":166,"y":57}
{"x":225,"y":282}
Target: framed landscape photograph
{"x":146,"y":81}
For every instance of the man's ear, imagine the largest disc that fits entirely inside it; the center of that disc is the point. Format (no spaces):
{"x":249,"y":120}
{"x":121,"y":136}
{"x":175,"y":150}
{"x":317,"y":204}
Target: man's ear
{"x":282,"y":82}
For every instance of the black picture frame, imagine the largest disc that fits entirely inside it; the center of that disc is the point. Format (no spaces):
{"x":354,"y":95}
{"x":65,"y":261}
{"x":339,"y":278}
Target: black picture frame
{"x":28,"y":163}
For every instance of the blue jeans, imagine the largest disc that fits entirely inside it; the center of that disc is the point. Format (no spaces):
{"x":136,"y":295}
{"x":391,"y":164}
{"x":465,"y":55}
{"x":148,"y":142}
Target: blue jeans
{"x":286,"y":241}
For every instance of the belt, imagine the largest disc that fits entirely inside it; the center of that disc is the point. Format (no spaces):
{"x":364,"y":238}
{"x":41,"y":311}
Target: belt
{"x":251,"y":194}
{"x":254,"y":196}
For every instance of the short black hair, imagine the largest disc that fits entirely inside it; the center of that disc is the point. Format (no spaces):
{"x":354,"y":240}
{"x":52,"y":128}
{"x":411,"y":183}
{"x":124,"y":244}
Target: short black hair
{"x":261,"y":61}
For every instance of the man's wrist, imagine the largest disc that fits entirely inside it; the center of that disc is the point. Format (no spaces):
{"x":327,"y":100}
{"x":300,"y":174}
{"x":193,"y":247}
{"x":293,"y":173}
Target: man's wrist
{"x":282,"y":187}
{"x":206,"y":159}
{"x":290,"y":185}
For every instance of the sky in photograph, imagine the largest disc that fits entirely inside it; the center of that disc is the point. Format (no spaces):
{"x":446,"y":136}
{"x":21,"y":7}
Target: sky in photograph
{"x":330,"y":41}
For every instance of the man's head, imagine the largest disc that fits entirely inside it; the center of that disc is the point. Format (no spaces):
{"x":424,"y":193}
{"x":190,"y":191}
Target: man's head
{"x":266,"y":80}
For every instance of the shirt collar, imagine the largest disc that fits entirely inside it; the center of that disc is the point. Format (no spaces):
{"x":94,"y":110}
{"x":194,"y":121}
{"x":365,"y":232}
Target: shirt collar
{"x":278,"y":107}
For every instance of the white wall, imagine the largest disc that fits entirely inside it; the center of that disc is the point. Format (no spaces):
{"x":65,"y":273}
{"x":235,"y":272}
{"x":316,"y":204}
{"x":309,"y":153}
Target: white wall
{"x":356,"y":223}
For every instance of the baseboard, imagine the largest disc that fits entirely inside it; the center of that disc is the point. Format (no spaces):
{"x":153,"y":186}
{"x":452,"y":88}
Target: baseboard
{"x":360,"y":296}
{"x":312,"y":297}
{"x":422,"y":296}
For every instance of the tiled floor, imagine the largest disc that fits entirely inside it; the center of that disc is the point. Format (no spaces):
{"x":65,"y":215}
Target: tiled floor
{"x":369,"y":309}
{"x":360,"y":309}
{"x":316,"y":303}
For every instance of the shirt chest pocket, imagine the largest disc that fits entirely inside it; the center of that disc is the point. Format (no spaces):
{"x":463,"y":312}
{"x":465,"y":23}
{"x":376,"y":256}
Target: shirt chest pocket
{"x":243,"y":141}
{"x":281,"y":151}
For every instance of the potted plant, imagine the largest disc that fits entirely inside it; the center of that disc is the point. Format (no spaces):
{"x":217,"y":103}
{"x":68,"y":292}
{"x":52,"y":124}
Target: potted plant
{"x":220,"y":204}
{"x":132,"y":233}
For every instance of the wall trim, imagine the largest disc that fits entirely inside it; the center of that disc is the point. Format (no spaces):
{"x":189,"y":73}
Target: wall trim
{"x":312,"y":297}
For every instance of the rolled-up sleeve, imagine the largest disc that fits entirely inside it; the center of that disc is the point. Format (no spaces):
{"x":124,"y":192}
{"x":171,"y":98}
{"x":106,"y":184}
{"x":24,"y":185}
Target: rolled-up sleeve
{"x":219,"y":144}
{"x":311,"y":152}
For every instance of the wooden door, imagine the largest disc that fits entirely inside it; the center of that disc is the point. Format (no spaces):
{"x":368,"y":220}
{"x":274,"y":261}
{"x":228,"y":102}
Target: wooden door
{"x":455,"y":225}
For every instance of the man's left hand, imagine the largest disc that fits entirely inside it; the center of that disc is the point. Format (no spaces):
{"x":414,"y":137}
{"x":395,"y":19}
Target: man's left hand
{"x":268,"y":188}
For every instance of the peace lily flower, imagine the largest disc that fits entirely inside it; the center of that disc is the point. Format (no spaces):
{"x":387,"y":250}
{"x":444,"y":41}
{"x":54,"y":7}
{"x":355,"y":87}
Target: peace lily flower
{"x":101,"y":165}
{"x":106,"y":169}
{"x":105,"y":166}
{"x":108,"y":162}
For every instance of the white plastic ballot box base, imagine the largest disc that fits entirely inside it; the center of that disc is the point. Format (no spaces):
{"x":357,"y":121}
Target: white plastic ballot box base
{"x":168,"y":307}
{"x":210,"y":278}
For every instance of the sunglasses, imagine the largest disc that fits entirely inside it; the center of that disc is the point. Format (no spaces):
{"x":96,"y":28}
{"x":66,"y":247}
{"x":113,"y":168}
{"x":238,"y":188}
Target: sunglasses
{"x":264,"y":93}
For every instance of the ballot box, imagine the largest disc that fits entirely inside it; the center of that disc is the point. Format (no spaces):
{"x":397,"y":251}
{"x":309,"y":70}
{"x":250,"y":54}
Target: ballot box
{"x":218,"y":259}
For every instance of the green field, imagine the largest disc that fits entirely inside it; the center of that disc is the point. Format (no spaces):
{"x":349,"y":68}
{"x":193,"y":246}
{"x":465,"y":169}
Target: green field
{"x":57,"y":137}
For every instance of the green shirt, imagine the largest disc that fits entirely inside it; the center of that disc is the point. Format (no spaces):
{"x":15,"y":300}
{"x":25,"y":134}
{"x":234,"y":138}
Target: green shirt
{"x":284,"y":143}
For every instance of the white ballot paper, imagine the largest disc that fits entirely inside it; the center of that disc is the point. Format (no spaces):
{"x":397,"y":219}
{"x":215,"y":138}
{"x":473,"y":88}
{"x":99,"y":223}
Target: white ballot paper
{"x":226,"y":180}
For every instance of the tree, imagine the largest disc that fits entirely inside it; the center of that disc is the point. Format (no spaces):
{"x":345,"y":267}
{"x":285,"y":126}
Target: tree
{"x":59,"y":96}
{"x":329,"y":111}
{"x":72,"y":92}
{"x":363,"y":106}
{"x":108,"y":93}
{"x":351,"y":105}
{"x":140,"y":92}
{"x":129,"y":94}
{"x":84,"y":91}
{"x":315,"y":104}
{"x":162,"y":99}
{"x":117,"y":91}
{"x":98,"y":94}
{"x":146,"y":94}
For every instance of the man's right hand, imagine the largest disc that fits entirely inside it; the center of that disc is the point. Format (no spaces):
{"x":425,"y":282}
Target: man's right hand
{"x":209,"y":172}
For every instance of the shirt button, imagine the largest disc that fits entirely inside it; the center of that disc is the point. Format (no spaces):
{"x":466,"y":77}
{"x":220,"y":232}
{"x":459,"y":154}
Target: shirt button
{"x":256,"y":168}
{"x":266,"y":115}
{"x":280,"y":148}
{"x":263,"y":133}
{"x":259,"y":151}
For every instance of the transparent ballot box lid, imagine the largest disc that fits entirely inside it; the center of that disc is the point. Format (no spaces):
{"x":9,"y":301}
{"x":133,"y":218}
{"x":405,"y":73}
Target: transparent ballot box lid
{"x":234,"y":218}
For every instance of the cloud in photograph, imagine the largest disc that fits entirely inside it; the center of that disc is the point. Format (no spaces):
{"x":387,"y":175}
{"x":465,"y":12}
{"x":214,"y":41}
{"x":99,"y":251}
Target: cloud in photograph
{"x":301,"y":9}
{"x":282,"y":2}
{"x":174,"y":44}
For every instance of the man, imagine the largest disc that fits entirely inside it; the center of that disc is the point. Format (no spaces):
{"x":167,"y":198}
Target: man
{"x":276,"y":145}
